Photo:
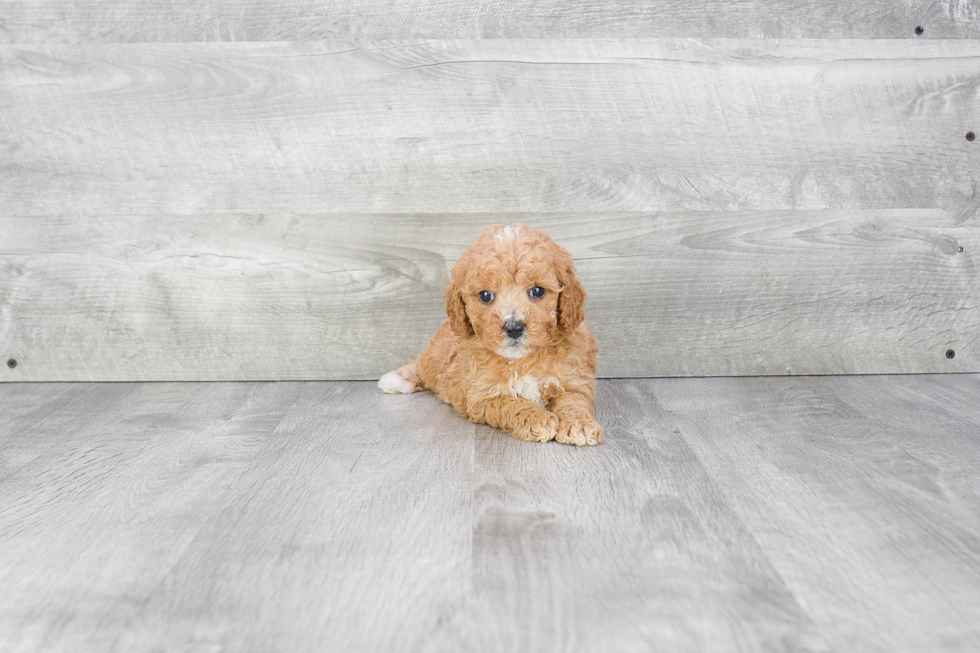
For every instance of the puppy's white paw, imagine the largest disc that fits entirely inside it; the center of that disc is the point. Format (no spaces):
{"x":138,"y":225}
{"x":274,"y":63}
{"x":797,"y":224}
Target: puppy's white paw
{"x":394,"y":383}
{"x":580,"y":432}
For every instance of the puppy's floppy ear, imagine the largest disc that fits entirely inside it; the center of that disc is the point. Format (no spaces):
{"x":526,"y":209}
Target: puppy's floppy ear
{"x":571,"y":301}
{"x":456,"y":310}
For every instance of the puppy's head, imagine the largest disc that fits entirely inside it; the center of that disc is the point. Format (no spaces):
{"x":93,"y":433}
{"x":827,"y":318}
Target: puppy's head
{"x":514,"y":290}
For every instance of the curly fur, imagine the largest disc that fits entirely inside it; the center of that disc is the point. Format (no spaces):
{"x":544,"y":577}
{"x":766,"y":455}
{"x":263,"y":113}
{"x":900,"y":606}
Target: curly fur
{"x":541,"y":387}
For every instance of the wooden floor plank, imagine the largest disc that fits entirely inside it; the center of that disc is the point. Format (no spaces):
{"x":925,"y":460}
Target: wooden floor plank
{"x":628,"y":546}
{"x":25,"y":403}
{"x":94,"y":523}
{"x":900,"y":419}
{"x":863,"y":533}
{"x":730,"y":514}
{"x":73,"y":410}
{"x":351,"y":533}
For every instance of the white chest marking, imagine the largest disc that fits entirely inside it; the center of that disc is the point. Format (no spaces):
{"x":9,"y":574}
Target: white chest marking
{"x":527,"y":386}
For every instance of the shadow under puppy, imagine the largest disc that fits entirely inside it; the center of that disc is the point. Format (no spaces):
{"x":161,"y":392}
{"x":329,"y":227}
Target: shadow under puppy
{"x":516,"y":352}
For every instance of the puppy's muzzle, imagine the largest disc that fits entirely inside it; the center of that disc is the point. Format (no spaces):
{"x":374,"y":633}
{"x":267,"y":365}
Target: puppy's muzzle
{"x":514,"y":329}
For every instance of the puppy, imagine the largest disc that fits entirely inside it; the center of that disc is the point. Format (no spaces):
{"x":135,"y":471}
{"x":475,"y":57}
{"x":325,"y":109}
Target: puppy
{"x":516,"y":352}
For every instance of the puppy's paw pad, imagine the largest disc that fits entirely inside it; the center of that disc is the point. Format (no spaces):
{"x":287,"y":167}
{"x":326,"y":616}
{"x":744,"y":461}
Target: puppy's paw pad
{"x":580,"y":432}
{"x":395,"y":383}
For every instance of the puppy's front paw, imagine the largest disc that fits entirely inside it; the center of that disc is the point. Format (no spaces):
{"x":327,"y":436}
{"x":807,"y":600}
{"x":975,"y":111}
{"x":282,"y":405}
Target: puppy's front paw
{"x":539,"y":426}
{"x":395,"y":383}
{"x":579,"y":432}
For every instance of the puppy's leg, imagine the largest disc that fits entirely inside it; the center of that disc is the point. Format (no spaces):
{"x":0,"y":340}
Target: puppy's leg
{"x":523,"y":418}
{"x":576,"y":420}
{"x":404,"y":380}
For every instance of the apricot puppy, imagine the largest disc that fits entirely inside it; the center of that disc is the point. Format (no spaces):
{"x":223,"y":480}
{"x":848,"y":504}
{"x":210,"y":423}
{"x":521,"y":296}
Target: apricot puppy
{"x":516,"y":352}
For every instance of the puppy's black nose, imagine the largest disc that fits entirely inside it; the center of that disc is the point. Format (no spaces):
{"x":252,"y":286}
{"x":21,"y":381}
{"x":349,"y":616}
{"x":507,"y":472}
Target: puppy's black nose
{"x":514,"y":329}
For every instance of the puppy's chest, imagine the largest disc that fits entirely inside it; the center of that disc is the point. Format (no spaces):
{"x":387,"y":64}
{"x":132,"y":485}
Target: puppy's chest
{"x":530,"y":387}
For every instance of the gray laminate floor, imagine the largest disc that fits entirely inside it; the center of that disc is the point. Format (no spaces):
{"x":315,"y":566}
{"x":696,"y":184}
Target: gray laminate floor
{"x":753,"y":514}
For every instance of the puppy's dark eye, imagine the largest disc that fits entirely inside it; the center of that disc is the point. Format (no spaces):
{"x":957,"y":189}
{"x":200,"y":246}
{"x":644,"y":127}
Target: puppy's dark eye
{"x":486,"y":296}
{"x":537,"y":292}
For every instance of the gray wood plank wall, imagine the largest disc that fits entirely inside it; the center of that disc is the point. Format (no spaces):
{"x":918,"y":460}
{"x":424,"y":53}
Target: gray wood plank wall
{"x":61,"y":21}
{"x":290,"y":209}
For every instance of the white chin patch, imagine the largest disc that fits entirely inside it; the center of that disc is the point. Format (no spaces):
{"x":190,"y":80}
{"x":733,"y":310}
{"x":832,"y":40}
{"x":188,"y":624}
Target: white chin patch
{"x":513,"y":352}
{"x":393,"y":383}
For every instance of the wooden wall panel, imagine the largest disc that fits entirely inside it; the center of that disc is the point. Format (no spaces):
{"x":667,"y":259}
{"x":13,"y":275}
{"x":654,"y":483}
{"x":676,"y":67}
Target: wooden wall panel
{"x":59,"y":21}
{"x":489,"y":126}
{"x":350,"y":297}
{"x":290,"y":210}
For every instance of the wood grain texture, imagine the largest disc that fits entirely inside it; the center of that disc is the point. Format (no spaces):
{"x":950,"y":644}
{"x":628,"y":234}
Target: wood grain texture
{"x":240,"y":211}
{"x":197,"y":513}
{"x":861,"y":498}
{"x":57,"y":21}
{"x":353,"y":519}
{"x":488,"y":126}
{"x":753,"y":514}
{"x":620,"y":548}
{"x":126,"y":487}
{"x":333,"y":296}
